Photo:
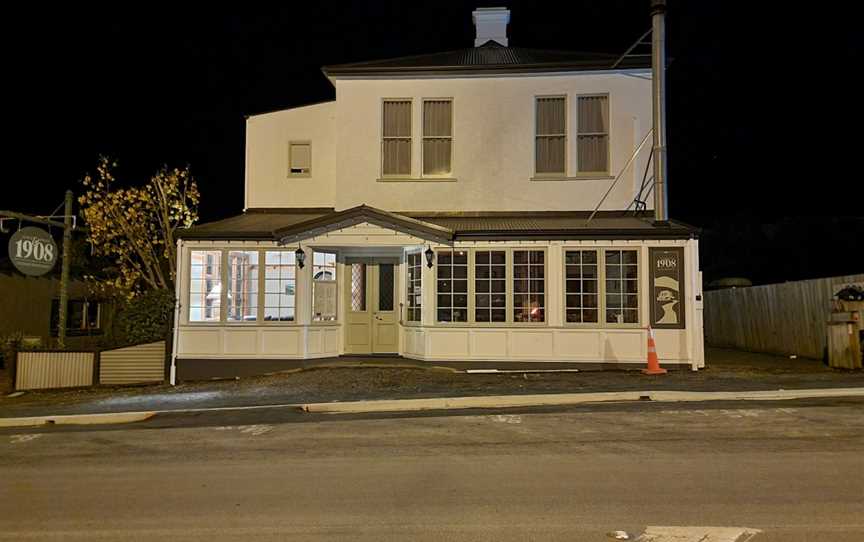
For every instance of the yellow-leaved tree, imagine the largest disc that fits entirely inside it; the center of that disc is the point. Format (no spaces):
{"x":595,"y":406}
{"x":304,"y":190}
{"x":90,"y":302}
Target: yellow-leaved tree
{"x":135,"y":226}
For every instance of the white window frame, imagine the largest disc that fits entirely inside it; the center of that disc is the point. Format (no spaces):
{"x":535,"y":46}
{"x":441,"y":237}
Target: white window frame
{"x":223,"y":277}
{"x":424,"y":137}
{"x":601,"y":287}
{"x":513,"y":278}
{"x":312,"y":282}
{"x":410,"y":139}
{"x":468,"y":290}
{"x":226,"y":287}
{"x":303,"y":174}
{"x":418,"y":281}
{"x":600,"y":313}
{"x":607,"y":133}
{"x":187,"y":301}
{"x":508,"y":300}
{"x":552,"y":175}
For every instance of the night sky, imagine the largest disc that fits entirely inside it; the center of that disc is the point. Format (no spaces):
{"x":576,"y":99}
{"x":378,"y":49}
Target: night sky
{"x":765,"y":114}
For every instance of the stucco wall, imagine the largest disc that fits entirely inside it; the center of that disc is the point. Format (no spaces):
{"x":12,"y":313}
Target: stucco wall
{"x":493,"y":146}
{"x":267,"y":139}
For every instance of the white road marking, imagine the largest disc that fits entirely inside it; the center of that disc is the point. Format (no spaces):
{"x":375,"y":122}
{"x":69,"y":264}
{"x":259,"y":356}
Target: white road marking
{"x":18,"y":439}
{"x":697,"y":534}
{"x":255,"y":430}
{"x":506,"y":418}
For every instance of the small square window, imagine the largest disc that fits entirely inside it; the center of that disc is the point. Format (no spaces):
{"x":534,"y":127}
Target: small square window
{"x":300,"y":159}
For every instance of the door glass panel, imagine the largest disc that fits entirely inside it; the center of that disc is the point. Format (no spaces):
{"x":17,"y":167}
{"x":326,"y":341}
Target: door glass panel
{"x":385,"y":287}
{"x":358,"y":286}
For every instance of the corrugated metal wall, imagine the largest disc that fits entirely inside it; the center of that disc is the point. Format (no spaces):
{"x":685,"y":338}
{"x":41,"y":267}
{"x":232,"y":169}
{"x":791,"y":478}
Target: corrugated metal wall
{"x":40,"y":370}
{"x":786,"y":318}
{"x":134,"y":364}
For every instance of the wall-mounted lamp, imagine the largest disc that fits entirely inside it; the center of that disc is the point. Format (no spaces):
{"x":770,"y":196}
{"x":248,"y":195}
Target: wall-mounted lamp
{"x":301,"y":257}
{"x":430,"y":257}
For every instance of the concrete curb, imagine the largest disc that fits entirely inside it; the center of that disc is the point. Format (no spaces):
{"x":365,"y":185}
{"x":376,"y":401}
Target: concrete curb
{"x":78,"y":419}
{"x":513,"y":401}
{"x":456,"y":403}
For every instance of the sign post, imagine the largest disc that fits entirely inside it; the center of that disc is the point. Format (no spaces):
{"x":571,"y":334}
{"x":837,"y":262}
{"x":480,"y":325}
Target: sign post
{"x":33,"y":252}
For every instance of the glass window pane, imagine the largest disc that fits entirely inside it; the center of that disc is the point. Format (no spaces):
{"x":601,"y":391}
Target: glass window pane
{"x":279,"y":285}
{"x":324,"y":287}
{"x":205,"y":295}
{"x":386,"y":282}
{"x":414,"y":262}
{"x":242,"y":294}
{"x":358,"y":287}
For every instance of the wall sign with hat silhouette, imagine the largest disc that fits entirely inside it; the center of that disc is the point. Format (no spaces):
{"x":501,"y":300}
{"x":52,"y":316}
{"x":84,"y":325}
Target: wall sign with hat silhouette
{"x":667,"y":287}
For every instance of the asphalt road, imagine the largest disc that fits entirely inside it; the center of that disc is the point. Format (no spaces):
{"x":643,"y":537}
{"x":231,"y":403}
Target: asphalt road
{"x":793,"y":470}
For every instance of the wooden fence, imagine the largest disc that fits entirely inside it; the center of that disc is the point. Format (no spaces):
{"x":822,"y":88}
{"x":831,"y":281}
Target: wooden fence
{"x":64,"y":369}
{"x":788,"y":318}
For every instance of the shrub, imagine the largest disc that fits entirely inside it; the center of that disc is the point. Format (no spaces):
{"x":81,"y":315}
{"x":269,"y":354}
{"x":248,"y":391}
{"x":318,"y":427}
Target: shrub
{"x":145,"y":318}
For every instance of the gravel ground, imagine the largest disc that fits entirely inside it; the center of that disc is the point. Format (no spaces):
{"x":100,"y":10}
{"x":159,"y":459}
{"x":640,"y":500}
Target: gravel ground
{"x":727,"y":370}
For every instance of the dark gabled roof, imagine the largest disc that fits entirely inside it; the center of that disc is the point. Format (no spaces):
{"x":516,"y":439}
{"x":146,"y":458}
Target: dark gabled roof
{"x":489,"y":58}
{"x":254,"y":224}
{"x":289,"y":225}
{"x":363,"y":214}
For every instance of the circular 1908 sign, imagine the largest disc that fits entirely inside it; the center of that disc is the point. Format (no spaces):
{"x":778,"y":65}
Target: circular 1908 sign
{"x":32,"y":251}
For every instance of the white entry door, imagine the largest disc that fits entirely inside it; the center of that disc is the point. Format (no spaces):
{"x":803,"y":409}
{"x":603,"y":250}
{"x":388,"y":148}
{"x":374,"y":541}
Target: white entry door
{"x":372,"y":321}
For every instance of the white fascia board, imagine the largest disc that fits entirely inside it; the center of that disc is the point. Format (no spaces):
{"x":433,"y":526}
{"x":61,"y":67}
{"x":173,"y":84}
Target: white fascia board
{"x":634,"y":72}
{"x":276,"y":111}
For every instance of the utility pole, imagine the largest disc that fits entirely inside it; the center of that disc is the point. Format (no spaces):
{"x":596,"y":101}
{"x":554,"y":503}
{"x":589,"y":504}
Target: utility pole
{"x":64,"y":270}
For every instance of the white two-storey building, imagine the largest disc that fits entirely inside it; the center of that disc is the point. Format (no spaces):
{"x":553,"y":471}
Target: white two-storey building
{"x":440,"y":209}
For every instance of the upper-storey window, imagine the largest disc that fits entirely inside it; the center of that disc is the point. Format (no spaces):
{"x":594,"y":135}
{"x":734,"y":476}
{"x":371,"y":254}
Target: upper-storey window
{"x":299,"y":159}
{"x":437,"y":136}
{"x":396,"y":138}
{"x":550,"y":155}
{"x":592,"y":139}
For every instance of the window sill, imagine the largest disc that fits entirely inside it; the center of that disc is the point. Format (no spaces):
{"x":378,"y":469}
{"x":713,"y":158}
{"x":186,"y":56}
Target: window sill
{"x":586,"y":177}
{"x":417,"y":179}
{"x":299,"y":176}
{"x":250,"y":323}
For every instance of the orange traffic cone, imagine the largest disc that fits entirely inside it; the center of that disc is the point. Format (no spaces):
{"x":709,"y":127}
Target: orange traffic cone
{"x":653,"y":362}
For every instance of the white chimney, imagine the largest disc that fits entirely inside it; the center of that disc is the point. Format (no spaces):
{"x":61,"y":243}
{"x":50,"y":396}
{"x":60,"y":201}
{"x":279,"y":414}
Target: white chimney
{"x":491,"y":24}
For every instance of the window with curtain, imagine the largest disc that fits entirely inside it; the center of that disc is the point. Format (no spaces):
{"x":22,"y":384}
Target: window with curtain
{"x":529,"y":275}
{"x":490,"y":286}
{"x":323,"y":286}
{"x":205,"y":285}
{"x":592,"y":139}
{"x":622,"y":286}
{"x":396,"y":138}
{"x":581,"y":286}
{"x":550,"y":155}
{"x":415,"y":287}
{"x":437,"y":136}
{"x":452,"y":285}
{"x":242,"y":294}
{"x":280,"y":281}
{"x":300,"y":159}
